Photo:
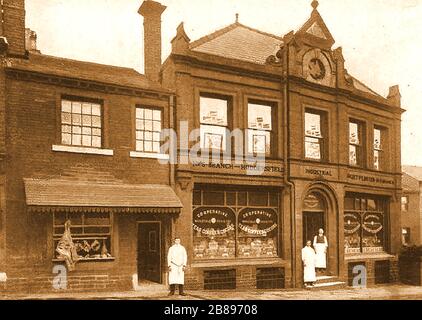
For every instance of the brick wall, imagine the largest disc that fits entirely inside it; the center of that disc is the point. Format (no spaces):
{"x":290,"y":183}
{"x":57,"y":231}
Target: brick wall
{"x":246,"y":278}
{"x":14,"y":25}
{"x":33,"y":117}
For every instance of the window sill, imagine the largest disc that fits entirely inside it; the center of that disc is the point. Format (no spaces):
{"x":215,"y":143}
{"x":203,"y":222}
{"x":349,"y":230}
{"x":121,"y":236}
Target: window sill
{"x":237,"y":262}
{"x":136,"y":154}
{"x":90,"y":260}
{"x":82,"y":150}
{"x":368,"y":255}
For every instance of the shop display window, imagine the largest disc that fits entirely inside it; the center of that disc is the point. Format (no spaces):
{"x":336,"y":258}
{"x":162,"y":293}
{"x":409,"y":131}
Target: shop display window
{"x":364,"y":224}
{"x":235,"y":224}
{"x":91,"y":233}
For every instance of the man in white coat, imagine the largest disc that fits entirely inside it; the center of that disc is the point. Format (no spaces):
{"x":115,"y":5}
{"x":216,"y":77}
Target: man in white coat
{"x":309,"y":259}
{"x":321,"y":245}
{"x":177,"y":260}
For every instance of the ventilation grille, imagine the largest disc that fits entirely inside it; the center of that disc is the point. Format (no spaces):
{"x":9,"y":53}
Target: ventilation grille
{"x":220,"y":279}
{"x":270,"y":278}
{"x":382,"y":272}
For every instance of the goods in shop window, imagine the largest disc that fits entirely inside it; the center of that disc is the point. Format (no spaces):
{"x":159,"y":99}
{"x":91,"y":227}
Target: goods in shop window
{"x":212,"y":248}
{"x":199,"y":249}
{"x":269,"y":248}
{"x":104,"y":251}
{"x":256,"y":247}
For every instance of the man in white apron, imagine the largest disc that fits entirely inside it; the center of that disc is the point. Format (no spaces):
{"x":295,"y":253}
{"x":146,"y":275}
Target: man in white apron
{"x":176,"y":261}
{"x":309,"y":259}
{"x":321,"y":245}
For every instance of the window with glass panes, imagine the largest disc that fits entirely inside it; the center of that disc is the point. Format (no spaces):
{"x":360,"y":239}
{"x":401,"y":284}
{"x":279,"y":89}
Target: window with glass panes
{"x":213,"y":122}
{"x":355,"y":144}
{"x":365,"y":220}
{"x":81,"y":123}
{"x":235,"y":223}
{"x":148,"y":129}
{"x":259,"y":128}
{"x":314,"y":135}
{"x":91,"y":233}
{"x":378,"y":150}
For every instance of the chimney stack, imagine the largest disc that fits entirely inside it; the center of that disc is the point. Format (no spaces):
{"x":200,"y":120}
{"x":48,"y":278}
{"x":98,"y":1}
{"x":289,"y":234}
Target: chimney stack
{"x":31,"y":40}
{"x":152,"y":11}
{"x":394,"y":96}
{"x":13,"y":25}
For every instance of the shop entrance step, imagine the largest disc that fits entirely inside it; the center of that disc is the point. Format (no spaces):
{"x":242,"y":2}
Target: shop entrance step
{"x":328,"y":283}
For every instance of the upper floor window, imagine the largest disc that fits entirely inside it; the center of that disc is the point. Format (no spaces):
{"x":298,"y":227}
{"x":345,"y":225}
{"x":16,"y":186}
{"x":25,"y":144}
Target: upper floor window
{"x":355,"y":144}
{"x":378,"y":148}
{"x":213,"y":122}
{"x":148,"y":129}
{"x":259,"y":128}
{"x":314,"y":135}
{"x":81,"y":123}
{"x":404,"y":203}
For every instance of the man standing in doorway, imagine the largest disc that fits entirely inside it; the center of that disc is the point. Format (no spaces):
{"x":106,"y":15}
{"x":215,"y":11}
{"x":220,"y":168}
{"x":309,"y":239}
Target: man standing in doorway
{"x":321,"y":245}
{"x":309,"y":259}
{"x":177,"y":260}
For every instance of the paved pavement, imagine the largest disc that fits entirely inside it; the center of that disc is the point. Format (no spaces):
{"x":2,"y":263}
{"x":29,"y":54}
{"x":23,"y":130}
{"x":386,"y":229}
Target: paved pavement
{"x":389,"y":292}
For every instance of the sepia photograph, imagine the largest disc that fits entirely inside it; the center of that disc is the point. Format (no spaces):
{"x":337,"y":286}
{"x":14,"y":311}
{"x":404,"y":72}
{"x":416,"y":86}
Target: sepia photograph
{"x":213,"y":150}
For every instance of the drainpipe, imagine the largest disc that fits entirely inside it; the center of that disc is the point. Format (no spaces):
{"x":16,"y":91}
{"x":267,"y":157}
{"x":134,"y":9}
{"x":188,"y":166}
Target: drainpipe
{"x":286,"y":157}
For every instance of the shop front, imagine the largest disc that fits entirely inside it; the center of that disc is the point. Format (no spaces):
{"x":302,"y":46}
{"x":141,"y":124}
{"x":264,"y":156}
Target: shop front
{"x":120,"y":232}
{"x":237,"y":237}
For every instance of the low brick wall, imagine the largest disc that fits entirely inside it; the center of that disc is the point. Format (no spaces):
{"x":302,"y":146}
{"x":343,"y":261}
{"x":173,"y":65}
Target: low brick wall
{"x":85,"y":283}
{"x":392,"y":273}
{"x":246,"y":275}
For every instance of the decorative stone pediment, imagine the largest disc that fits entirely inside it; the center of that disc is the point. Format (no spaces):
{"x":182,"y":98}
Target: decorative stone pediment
{"x":315,"y":32}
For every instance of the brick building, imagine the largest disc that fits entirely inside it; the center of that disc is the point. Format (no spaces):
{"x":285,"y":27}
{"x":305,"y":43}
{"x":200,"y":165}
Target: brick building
{"x":80,"y":142}
{"x":411,"y":205}
{"x":332,"y":148}
{"x":73,"y":147}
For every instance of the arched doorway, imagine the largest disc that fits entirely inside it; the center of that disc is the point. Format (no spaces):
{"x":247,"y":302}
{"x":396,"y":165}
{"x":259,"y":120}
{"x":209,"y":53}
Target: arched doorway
{"x":314,"y":216}
{"x":320,"y":210}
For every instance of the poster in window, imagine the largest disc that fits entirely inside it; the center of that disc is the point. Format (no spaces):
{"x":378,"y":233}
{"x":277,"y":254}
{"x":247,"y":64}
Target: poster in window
{"x":259,"y":117}
{"x":213,"y":141}
{"x":354,"y":133}
{"x":313,"y":125}
{"x":259,"y":143}
{"x":352,"y":227}
{"x":373,"y":235}
{"x":257,"y":233}
{"x":213,"y":111}
{"x":313,"y":149}
{"x":214,"y":233}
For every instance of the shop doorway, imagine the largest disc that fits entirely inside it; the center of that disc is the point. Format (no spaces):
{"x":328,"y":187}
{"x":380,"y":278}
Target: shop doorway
{"x":319,"y":212}
{"x":149,"y":251}
{"x":312,"y":222}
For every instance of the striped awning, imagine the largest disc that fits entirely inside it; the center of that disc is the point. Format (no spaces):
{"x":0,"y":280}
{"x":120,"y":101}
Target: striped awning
{"x":52,"y":195}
